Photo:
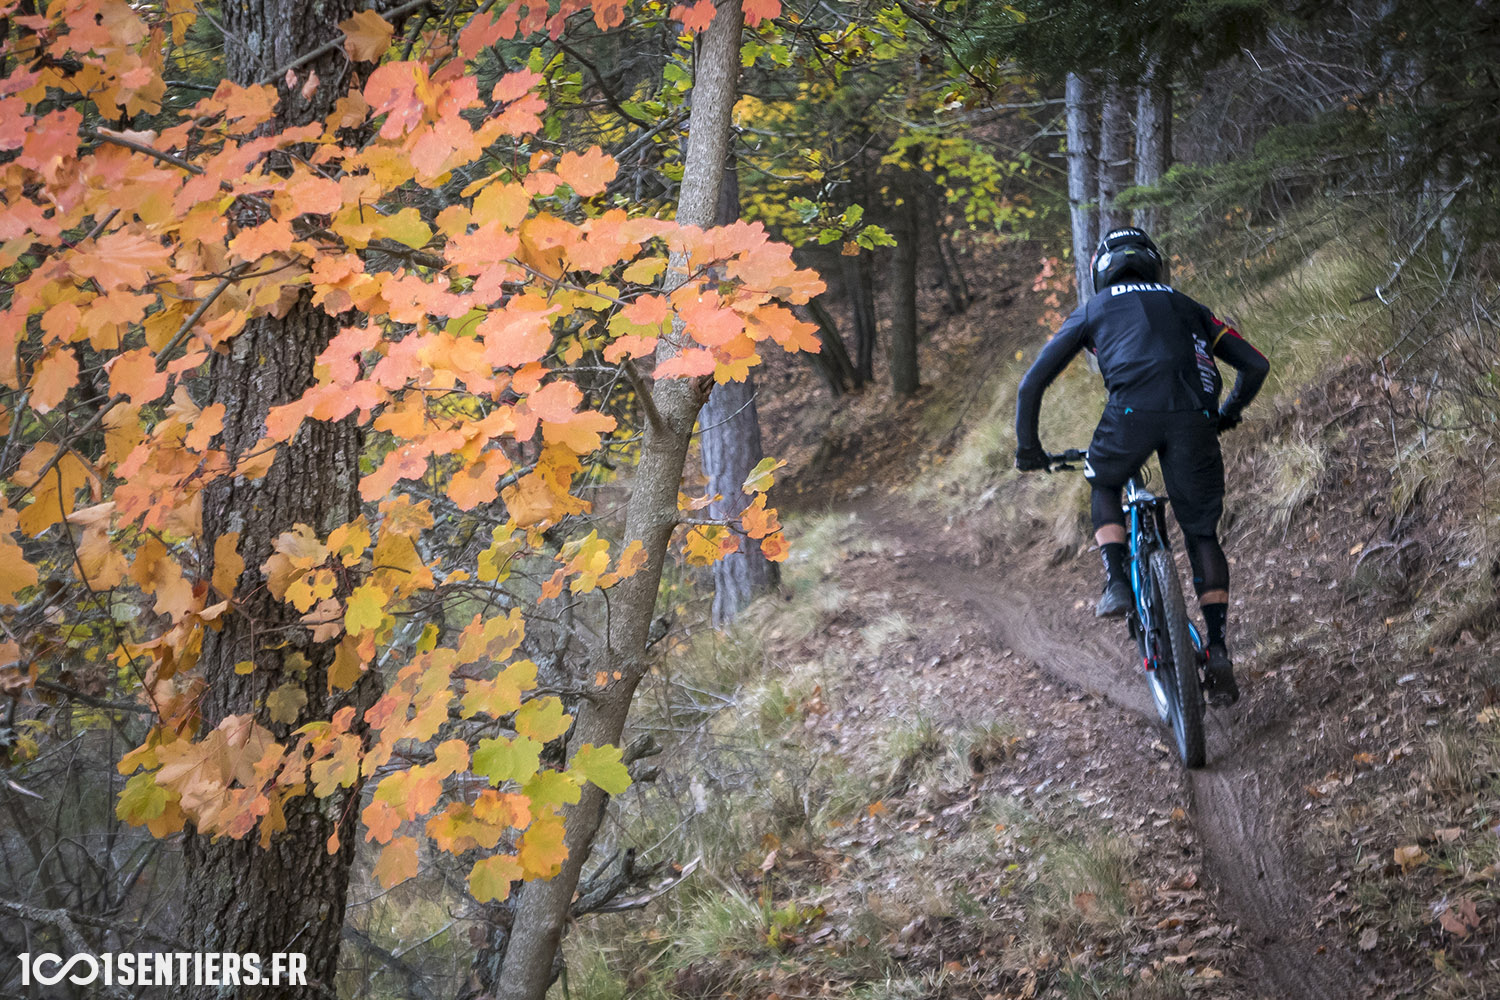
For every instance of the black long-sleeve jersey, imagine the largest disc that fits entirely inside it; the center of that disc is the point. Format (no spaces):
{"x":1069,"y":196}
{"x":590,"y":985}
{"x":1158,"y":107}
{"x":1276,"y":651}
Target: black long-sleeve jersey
{"x":1156,"y":349}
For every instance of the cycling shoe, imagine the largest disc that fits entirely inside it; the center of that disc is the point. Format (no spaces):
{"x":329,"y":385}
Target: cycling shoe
{"x":1220,"y":688}
{"x":1115,"y":600}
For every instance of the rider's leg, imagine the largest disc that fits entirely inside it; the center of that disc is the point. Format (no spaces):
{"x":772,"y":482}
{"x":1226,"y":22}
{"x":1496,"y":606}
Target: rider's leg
{"x":1193,"y":468}
{"x":1109,"y":530}
{"x":1211,"y":581}
{"x":1119,"y":446}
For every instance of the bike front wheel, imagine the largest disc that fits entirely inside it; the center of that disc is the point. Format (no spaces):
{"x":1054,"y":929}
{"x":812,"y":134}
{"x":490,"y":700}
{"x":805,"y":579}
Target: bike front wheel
{"x":1177,"y":661}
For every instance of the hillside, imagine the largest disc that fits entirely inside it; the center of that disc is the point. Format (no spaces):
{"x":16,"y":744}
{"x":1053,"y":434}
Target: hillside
{"x":517,"y":497}
{"x":940,"y":776}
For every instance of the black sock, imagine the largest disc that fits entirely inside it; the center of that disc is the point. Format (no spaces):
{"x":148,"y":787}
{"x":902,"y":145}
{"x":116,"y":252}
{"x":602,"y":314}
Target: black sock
{"x":1217,"y":617}
{"x":1114,"y":560}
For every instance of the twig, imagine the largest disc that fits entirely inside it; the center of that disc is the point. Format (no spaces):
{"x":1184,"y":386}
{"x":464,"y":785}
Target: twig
{"x":55,"y":918}
{"x":604,"y":88}
{"x":647,"y":403}
{"x":335,"y":44}
{"x":390,"y":960}
{"x":641,"y":901}
{"x":1437,"y":216}
{"x":88,"y":699}
{"x":105,"y":135}
{"x":119,"y":397}
{"x":64,"y":922}
{"x":671,"y":121}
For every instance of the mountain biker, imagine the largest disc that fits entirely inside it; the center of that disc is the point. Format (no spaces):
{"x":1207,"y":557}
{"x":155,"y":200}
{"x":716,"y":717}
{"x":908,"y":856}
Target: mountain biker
{"x":1156,"y":349}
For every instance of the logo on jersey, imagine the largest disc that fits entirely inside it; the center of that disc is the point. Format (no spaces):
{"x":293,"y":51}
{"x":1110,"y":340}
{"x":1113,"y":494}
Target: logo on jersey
{"x":1138,"y":286}
{"x":1207,"y":373}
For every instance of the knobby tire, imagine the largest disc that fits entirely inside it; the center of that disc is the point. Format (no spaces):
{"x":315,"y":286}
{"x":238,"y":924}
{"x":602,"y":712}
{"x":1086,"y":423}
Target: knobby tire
{"x":1180,"y":660}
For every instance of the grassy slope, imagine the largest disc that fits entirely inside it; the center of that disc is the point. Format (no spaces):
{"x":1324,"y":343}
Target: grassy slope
{"x":1365,"y":600}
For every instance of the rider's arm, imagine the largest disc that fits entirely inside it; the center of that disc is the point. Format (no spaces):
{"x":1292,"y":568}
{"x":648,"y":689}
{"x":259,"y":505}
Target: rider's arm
{"x":1250,"y":365}
{"x":1062,"y":348}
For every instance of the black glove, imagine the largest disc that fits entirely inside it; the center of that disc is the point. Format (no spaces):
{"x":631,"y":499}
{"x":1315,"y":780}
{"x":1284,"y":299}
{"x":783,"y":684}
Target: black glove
{"x":1228,"y":421}
{"x":1032,"y":459}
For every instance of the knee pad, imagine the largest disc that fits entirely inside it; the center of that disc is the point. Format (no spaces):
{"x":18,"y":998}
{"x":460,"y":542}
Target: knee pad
{"x":1210,"y":568}
{"x":1104,"y":506}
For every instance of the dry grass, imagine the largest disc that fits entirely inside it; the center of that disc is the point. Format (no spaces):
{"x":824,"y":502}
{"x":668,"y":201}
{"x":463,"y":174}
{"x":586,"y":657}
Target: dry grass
{"x":1086,"y":884}
{"x":745,"y":768}
{"x":1295,"y":470}
{"x":889,"y":629}
{"x":1452,"y":762}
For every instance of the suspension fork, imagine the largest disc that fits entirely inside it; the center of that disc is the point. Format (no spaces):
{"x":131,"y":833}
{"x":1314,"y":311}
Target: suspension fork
{"x":1145,"y":537}
{"x":1139,"y":621}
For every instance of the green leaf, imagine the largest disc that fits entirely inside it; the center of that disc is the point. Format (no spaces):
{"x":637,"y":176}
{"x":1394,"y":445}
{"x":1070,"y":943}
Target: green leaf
{"x":542,"y":719}
{"x":491,"y":877}
{"x":501,"y":760}
{"x":762,"y":477}
{"x":406,"y":227}
{"x":142,"y":799}
{"x":286,"y":703}
{"x":601,"y":765}
{"x":806,"y":210}
{"x":551,"y":788}
{"x":365,"y":609}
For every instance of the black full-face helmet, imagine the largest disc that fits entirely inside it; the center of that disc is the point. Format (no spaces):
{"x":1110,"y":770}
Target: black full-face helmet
{"x":1124,"y":253}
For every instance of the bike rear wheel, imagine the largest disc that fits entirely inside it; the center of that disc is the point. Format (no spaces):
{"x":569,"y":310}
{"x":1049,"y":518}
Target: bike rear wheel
{"x":1177,"y":661}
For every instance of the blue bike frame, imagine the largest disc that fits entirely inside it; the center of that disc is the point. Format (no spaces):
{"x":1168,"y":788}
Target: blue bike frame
{"x":1147,"y":526}
{"x":1146,"y":520}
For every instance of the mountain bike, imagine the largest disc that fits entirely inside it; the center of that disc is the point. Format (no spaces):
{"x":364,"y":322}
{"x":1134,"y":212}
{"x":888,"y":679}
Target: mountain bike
{"x":1172,"y":651}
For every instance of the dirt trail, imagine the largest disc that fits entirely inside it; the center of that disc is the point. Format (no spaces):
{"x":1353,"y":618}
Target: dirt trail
{"x":1233,"y":799}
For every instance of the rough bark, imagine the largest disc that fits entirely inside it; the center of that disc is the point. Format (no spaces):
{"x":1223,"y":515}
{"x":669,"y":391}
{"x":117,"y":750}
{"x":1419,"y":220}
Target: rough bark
{"x":730,"y":445}
{"x":1081,"y":174}
{"x":290,"y":897}
{"x":904,"y":374}
{"x":651,"y":516}
{"x":1153,"y":137}
{"x":1114,"y":154}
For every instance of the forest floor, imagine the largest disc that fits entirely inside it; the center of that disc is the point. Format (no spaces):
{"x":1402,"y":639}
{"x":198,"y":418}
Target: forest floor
{"x":992,"y":807}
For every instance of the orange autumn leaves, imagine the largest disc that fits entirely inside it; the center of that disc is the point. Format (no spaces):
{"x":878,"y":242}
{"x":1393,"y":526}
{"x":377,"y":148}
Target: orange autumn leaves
{"x":139,"y":256}
{"x":705,"y":544}
{"x":238,"y":778}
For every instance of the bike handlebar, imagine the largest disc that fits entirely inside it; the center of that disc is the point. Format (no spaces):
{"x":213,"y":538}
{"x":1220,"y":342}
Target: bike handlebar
{"x":1063,"y":462}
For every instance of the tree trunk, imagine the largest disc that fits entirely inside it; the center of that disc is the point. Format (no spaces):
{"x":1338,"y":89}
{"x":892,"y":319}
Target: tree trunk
{"x":833,"y":360}
{"x":904,"y":374}
{"x":651,"y":515}
{"x":731,"y":447}
{"x":1081,"y":173}
{"x":950,"y":275}
{"x":953,"y":271}
{"x":1153,"y":137}
{"x":290,"y":897}
{"x":1114,"y":155}
{"x":729,"y":439}
{"x":861,"y":285}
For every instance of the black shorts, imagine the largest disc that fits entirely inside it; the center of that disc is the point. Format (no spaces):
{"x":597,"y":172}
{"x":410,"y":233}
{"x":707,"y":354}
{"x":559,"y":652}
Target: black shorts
{"x":1187,"y":442}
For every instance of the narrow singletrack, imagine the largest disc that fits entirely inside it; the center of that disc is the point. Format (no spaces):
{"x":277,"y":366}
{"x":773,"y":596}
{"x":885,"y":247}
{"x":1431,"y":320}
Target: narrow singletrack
{"x":1233,"y":800}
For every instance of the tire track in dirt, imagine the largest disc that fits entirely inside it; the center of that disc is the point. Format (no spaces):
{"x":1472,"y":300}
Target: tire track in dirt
{"x":1232,"y":808}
